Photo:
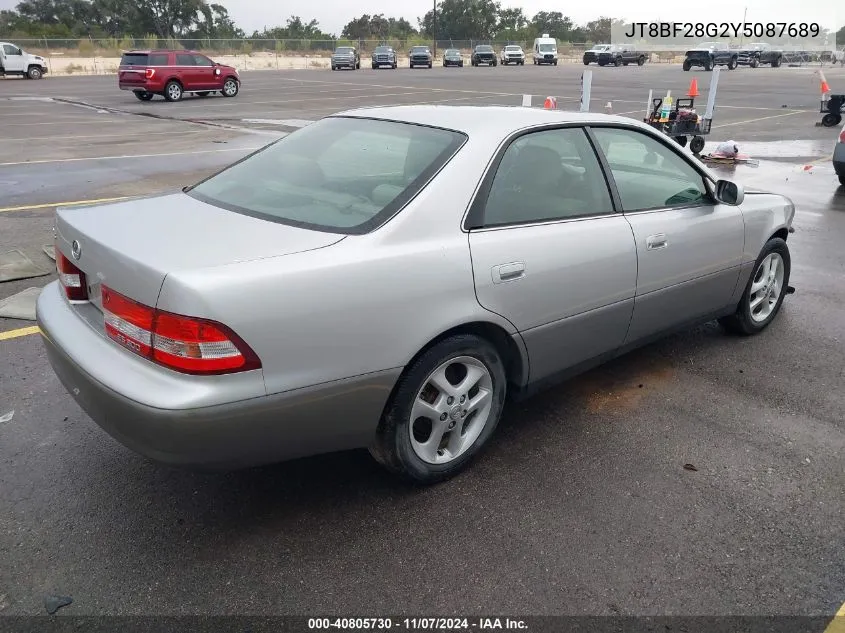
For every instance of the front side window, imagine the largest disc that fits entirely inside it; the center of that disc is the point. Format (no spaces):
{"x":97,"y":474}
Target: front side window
{"x":547,"y":175}
{"x":11,"y":50}
{"x":344,"y":175}
{"x":649,"y":175}
{"x":202,"y":60}
{"x":183,"y":59}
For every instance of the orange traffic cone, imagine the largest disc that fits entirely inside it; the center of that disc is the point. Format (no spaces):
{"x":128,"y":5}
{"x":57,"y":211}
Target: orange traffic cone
{"x":693,"y":88}
{"x":825,"y":87}
{"x":550,"y":103}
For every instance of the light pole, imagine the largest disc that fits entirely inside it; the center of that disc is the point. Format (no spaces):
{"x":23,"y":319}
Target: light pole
{"x":434,"y":29}
{"x":745,"y":13}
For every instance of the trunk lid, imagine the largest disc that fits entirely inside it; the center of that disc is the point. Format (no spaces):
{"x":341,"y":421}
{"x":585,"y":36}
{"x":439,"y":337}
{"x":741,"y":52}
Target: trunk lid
{"x":131,"y":246}
{"x":132,"y":68}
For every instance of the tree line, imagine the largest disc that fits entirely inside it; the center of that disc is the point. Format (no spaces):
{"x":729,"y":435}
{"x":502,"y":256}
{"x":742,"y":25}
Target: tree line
{"x":200,"y":19}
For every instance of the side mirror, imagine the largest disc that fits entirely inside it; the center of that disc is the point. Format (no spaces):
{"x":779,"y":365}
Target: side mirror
{"x":728,"y":192}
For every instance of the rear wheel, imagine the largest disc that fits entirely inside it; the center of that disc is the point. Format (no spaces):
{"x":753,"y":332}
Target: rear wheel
{"x":143,"y":95}
{"x":776,"y":63}
{"x":708,"y":65}
{"x":842,"y":180}
{"x":732,"y":64}
{"x":764,"y":293}
{"x":618,"y":62}
{"x":173,"y":91}
{"x":444,"y":409}
{"x":230,"y":88}
{"x":696,"y":144}
{"x":754,"y":63}
{"x":687,"y":65}
{"x":830,"y":119}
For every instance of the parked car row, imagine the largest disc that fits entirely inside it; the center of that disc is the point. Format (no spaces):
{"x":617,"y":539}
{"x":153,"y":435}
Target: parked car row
{"x":614,"y":55}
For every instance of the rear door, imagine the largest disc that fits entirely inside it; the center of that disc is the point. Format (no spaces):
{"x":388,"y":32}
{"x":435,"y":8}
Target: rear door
{"x":549,"y":252}
{"x":204,"y":73}
{"x":187,"y":72}
{"x":689,"y":247}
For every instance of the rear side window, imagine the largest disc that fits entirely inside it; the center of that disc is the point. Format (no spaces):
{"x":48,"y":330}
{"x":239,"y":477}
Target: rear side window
{"x":183,"y":59}
{"x":343,"y":175}
{"x":159,"y":59}
{"x":134,"y":59}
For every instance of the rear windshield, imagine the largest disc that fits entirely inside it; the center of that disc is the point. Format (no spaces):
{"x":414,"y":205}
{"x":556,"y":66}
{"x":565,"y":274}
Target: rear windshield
{"x":134,"y":59}
{"x":341,"y":174}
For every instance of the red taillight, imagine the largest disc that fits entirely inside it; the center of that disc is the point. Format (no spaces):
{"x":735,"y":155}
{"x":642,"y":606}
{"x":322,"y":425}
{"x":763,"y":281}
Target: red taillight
{"x":185,"y":344}
{"x":71,"y":278}
{"x":842,"y":135}
{"x":149,"y":72}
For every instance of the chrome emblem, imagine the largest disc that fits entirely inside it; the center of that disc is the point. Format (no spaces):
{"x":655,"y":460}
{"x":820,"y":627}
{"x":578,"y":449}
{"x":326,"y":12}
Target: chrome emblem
{"x":76,"y":250}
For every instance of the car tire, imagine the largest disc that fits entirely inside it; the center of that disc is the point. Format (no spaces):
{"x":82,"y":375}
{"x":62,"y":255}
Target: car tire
{"x":34,"y":72}
{"x":617,"y":62}
{"x":681,"y":140}
{"x":776,"y":63}
{"x":831,"y":120}
{"x":743,"y":321}
{"x":708,"y":65}
{"x":231,"y":87}
{"x":143,"y":95}
{"x":842,"y":180}
{"x":640,"y":60}
{"x":687,"y":66}
{"x":401,"y":441}
{"x":555,"y":62}
{"x":696,"y":144}
{"x":732,"y":64}
{"x":173,"y":91}
{"x":754,"y":63}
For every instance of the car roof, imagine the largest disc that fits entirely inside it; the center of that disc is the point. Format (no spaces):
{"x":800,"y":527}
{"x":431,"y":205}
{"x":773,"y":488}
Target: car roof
{"x":500,"y":121}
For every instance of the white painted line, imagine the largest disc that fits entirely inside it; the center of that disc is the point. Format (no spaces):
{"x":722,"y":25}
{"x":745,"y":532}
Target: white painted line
{"x":764,"y":118}
{"x":129,"y":156}
{"x":284,"y":122}
{"x":129,"y":136}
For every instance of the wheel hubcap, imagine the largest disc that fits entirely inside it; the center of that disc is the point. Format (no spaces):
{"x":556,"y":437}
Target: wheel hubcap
{"x":766,"y":287}
{"x":451,"y":410}
{"x":230,"y":87}
{"x":175,"y":92}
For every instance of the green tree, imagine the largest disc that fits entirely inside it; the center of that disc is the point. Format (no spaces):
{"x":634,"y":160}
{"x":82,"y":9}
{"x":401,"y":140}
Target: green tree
{"x":554,"y":23}
{"x":463,"y":19}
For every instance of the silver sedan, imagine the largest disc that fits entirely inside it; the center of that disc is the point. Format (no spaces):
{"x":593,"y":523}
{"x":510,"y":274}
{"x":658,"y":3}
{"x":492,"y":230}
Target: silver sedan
{"x":387,"y":277}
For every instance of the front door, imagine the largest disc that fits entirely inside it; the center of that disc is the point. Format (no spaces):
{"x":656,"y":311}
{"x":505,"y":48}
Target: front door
{"x":550,"y":254}
{"x":187,"y":71}
{"x":204,"y":73}
{"x":689,"y":247}
{"x":13,"y":61}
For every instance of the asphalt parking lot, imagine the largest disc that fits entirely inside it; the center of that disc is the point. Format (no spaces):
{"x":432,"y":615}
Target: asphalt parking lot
{"x":581,"y":504}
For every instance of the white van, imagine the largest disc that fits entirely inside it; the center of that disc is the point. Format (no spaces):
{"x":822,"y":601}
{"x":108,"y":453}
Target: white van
{"x":545,"y":50}
{"x":15,"y":61}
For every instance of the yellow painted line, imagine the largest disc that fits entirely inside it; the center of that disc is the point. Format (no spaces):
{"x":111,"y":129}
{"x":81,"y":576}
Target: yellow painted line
{"x":24,"y":331}
{"x":837,"y":624}
{"x":763,"y":118}
{"x":30,"y":207}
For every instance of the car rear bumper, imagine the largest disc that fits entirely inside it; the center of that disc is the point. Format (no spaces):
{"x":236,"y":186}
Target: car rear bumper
{"x":334,"y":416}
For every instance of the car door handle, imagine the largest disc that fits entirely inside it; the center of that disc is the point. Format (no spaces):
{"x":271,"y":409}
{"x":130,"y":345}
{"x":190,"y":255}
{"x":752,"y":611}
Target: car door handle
{"x":508,"y":272}
{"x":653,"y":242}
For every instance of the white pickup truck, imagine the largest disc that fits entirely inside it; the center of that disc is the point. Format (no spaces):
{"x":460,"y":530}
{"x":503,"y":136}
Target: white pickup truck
{"x":16,"y":61}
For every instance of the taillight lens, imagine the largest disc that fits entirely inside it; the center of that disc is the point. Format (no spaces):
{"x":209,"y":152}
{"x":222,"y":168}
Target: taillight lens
{"x":842,"y":135}
{"x":71,"y":278}
{"x":149,"y":73}
{"x":185,"y":344}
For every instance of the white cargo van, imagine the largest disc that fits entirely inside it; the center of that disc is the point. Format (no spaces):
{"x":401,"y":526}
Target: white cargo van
{"x":545,"y":50}
{"x":15,"y":61}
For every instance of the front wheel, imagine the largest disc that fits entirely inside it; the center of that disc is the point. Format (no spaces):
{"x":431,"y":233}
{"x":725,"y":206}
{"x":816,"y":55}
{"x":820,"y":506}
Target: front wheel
{"x":618,"y":62}
{"x":764,"y":293}
{"x":34,"y":72}
{"x":230,"y":88}
{"x":732,"y":64}
{"x":681,"y":140}
{"x":640,"y":60}
{"x":687,"y":66}
{"x":444,"y":410}
{"x":830,"y":119}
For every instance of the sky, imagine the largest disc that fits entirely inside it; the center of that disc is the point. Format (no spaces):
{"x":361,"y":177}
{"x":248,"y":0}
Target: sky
{"x":332,"y":15}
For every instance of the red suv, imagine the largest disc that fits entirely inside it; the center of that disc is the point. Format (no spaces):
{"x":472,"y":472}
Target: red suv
{"x":173,"y":73}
